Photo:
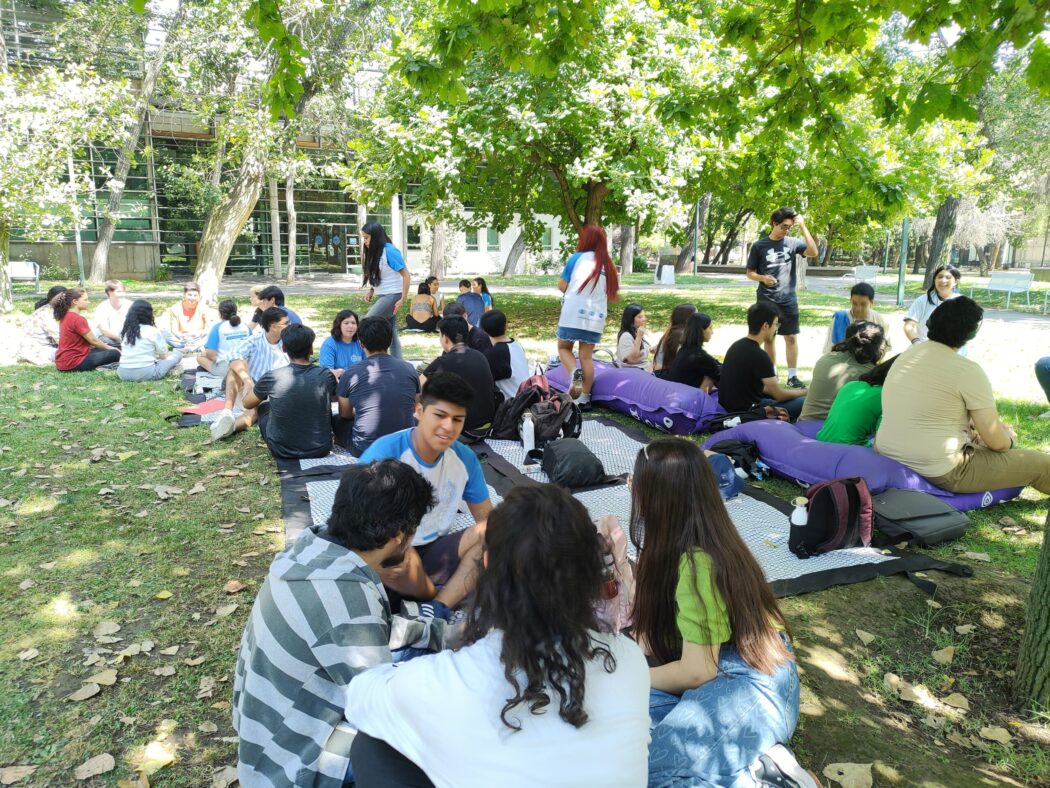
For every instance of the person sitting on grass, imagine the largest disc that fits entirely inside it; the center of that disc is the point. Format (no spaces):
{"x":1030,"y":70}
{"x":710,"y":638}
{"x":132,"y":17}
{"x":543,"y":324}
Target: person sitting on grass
{"x":294,"y":401}
{"x":476,"y":336}
{"x":861,"y":298}
{"x":110,"y":314}
{"x":749,"y":378}
{"x":725,"y":687}
{"x":273,"y":296}
{"x":439,"y":558}
{"x":342,"y":349}
{"x":79,"y":350}
{"x":253,"y":302}
{"x":667,"y":347}
{"x":40,"y":332}
{"x":506,"y":357}
{"x":320,"y":620}
{"x":693,"y":365}
{"x":857,"y":410}
{"x":377,"y":396}
{"x":186,"y":323}
{"x":939,"y":415}
{"x":472,"y":302}
{"x":478,"y":285}
{"x":859,"y":352}
{"x":547,"y":697}
{"x":224,"y":337}
{"x":248,"y":362}
{"x":632,"y":348}
{"x":473,"y":367}
{"x":423,"y":313}
{"x":144,"y":352}
{"x":945,"y":282}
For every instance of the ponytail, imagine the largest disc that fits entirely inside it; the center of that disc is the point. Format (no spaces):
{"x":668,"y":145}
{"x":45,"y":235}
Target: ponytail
{"x":228,"y":311}
{"x":63,"y":302}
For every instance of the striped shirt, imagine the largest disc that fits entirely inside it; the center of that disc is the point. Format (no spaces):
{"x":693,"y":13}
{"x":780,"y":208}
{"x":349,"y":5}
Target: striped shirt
{"x":321,"y":618}
{"x":259,"y":354}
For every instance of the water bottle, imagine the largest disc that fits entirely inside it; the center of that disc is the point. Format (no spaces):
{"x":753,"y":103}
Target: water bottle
{"x":733,"y":422}
{"x":800,"y":516}
{"x":528,"y":433}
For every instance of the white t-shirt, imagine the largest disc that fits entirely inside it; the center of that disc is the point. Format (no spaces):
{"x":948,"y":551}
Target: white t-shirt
{"x":587,"y":310}
{"x":624,"y":345}
{"x":390,"y":266}
{"x":146,"y":350}
{"x":224,"y":337}
{"x":921,"y":309}
{"x":111,"y":319}
{"x":519,"y":370}
{"x":443,"y":713}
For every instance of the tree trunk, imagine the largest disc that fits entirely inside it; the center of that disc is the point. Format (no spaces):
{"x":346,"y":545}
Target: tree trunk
{"x":824,"y":257}
{"x":107,"y":222}
{"x":7,"y":299}
{"x":997,"y":255}
{"x":941,"y":240}
{"x":695,"y":229}
{"x":596,"y":194}
{"x":510,"y":267}
{"x":293,"y":224}
{"x":626,"y":249}
{"x":275,"y":227}
{"x":437,"y":249}
{"x":722,"y":256}
{"x":225,"y":222}
{"x":1032,"y":682}
{"x":919,"y":264}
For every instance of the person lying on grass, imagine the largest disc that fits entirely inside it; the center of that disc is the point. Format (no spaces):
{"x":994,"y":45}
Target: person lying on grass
{"x":538,"y":695}
{"x":321,"y":619}
{"x":441,"y":566}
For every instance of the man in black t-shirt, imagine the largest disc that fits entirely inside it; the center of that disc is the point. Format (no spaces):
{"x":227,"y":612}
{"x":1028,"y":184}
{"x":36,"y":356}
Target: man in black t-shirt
{"x":470,"y":365}
{"x":749,"y":378}
{"x":297,"y":422}
{"x":476,"y":336}
{"x":771,"y":263}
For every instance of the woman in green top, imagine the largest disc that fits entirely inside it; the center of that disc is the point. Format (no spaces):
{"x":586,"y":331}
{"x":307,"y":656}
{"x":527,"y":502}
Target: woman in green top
{"x":858,"y":353}
{"x":857,"y":410}
{"x":725,"y":689}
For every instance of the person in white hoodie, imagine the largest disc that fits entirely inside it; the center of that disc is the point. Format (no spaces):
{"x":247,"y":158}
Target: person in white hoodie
{"x":144,"y":352}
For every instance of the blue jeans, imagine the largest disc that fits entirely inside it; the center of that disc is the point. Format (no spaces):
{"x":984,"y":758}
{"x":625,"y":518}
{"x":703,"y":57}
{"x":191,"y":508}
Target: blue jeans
{"x":792,"y":406}
{"x":1042,"y":374}
{"x":711,"y":735}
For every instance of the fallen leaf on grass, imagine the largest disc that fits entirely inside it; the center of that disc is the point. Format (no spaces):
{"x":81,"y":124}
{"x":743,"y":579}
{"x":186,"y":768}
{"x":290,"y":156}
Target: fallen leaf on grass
{"x":234,"y":587}
{"x":26,"y":584}
{"x":170,"y":651}
{"x":134,"y":583}
{"x":957,"y":701}
{"x":208,"y":727}
{"x":48,"y":565}
{"x":850,"y":775}
{"x":917,"y":694}
{"x":9,"y":775}
{"x":164,"y":670}
{"x":965,"y":629}
{"x":225,"y":610}
{"x":229,"y":473}
{"x":28,"y":654}
{"x":197,"y":489}
{"x":224,"y":777}
{"x":180,"y":571}
{"x":153,"y":757}
{"x":1007,"y":522}
{"x":982,"y":557}
{"x":892,"y":682}
{"x":207,"y":685}
{"x":934,"y":604}
{"x":243,"y":509}
{"x":193,"y":661}
{"x":106,"y":678}
{"x":147,"y":646}
{"x":945,"y":655}
{"x":104,"y":628}
{"x":935,"y":722}
{"x":93,"y":767}
{"x":957,"y":738}
{"x":85,"y":692}
{"x":865,"y":637}
{"x":996,"y":734}
{"x":105,"y":491}
{"x":162,"y":595}
{"x":140,"y":781}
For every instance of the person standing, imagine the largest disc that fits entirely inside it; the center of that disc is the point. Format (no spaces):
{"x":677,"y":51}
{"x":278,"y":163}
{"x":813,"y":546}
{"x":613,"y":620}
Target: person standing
{"x":386,"y":276}
{"x":772,"y":264}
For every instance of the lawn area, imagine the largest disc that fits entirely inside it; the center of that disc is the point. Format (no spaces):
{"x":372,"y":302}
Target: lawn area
{"x":112,"y":517}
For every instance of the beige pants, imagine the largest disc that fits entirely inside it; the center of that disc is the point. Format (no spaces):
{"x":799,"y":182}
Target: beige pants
{"x":984,"y":469}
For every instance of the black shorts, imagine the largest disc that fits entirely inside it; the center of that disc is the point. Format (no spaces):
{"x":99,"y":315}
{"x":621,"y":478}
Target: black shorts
{"x":441,"y":557}
{"x":789,"y":322}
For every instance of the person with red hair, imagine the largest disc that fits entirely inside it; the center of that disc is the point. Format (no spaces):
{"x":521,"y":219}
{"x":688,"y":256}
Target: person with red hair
{"x":589,"y":282}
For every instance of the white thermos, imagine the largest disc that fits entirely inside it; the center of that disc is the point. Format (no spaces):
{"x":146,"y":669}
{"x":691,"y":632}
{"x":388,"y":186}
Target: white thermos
{"x":528,"y":433}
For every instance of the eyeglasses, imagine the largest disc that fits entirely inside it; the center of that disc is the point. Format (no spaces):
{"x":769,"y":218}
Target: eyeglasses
{"x":787,"y":225}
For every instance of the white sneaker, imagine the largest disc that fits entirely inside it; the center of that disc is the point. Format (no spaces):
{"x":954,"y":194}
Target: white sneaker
{"x":777,"y":767}
{"x":223,"y":425}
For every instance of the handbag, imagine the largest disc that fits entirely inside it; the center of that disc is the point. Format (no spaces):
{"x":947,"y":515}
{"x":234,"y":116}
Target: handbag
{"x":569,"y":463}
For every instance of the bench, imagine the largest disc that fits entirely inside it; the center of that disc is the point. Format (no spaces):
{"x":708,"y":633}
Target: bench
{"x":863,"y":273}
{"x":1011,"y":282}
{"x":25,"y":270}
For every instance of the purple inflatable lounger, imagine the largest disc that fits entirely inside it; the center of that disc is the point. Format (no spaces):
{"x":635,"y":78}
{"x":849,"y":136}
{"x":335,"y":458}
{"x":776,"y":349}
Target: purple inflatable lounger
{"x":792,"y":451}
{"x":666,"y":406}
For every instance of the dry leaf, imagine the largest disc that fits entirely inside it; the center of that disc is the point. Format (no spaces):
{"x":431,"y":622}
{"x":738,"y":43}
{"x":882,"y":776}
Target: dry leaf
{"x":957,"y":701}
{"x":93,"y":767}
{"x":197,"y":489}
{"x":26,"y":584}
{"x":134,"y":583}
{"x":935,"y":722}
{"x":170,"y":651}
{"x":957,"y":738}
{"x":105,"y":491}
{"x":206,"y":687}
{"x":106,"y":678}
{"x":140,"y":781}
{"x":996,"y":734}
{"x":945,"y":655}
{"x":850,"y":775}
{"x":233,"y":587}
{"x":224,"y":610}
{"x":131,"y":651}
{"x":105,"y":628}
{"x":243,"y":509}
{"x":917,"y":694}
{"x":85,"y":692}
{"x":28,"y":654}
{"x":208,"y":727}
{"x":164,"y":493}
{"x":982,"y":557}
{"x":1008,"y":522}
{"x":193,"y":662}
{"x":892,"y":682}
{"x":162,"y":595}
{"x":965,"y":629}
{"x":48,"y":565}
{"x":9,"y":775}
{"x":165,"y":670}
{"x":180,"y":571}
{"x":224,"y":777}
{"x":934,"y":604}
{"x":865,"y":637}
{"x":147,"y":646}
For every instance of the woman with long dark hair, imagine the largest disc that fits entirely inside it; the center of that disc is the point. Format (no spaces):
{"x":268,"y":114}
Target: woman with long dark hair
{"x":386,"y":276}
{"x":144,"y":349}
{"x":478,"y":285}
{"x":589,"y":282}
{"x":858,"y":353}
{"x":693,"y":365}
{"x":547,"y":698}
{"x":945,"y":281}
{"x":341,"y":348}
{"x":725,"y":687}
{"x":79,"y":350}
{"x":40,"y":332}
{"x":223,"y":338}
{"x":667,"y":347}
{"x":632,"y":348}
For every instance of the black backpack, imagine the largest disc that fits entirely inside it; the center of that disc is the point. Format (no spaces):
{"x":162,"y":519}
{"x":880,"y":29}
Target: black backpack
{"x":569,"y":463}
{"x":840,"y":516}
{"x":554,"y":414}
{"x":917,"y":518}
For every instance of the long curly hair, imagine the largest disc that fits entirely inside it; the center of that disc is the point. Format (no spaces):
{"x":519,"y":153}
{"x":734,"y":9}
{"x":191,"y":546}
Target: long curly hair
{"x":63,"y":302}
{"x":540,"y":587}
{"x":139,"y":314}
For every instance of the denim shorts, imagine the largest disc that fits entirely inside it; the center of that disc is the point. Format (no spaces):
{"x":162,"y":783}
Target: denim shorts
{"x":578,"y":335}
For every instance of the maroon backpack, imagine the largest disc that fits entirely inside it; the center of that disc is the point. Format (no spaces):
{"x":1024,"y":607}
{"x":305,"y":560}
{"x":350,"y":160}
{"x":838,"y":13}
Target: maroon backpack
{"x":840,"y":516}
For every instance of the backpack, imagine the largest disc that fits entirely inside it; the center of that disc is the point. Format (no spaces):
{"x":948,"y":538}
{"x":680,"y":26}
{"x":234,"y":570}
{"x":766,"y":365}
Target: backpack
{"x":840,"y":516}
{"x":554,"y":414}
{"x":569,"y":463}
{"x":917,"y":518}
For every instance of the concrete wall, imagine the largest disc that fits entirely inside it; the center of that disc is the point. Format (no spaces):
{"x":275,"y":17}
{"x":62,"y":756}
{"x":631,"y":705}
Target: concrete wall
{"x":126,"y":260}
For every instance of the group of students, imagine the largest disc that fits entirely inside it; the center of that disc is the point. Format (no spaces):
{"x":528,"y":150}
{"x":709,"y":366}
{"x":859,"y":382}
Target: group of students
{"x":428,"y":304}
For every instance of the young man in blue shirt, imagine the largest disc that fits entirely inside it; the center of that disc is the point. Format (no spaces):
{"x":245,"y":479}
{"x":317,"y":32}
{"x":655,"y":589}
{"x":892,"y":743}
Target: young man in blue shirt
{"x":438,"y":557}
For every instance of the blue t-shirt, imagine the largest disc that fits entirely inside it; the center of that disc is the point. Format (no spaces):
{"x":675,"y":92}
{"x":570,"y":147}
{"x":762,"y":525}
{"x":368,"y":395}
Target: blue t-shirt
{"x":570,"y":264}
{"x":486,"y":300}
{"x":336,"y":354}
{"x":223,"y":336}
{"x":293,"y":319}
{"x":475,"y":307}
{"x":383,"y":391}
{"x":456,"y":476}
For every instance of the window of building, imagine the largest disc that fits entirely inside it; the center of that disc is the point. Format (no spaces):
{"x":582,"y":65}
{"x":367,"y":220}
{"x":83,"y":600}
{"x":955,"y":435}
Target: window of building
{"x":412,"y":237}
{"x":472,"y":240}
{"x":492,"y":239}
{"x":546,"y":239}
